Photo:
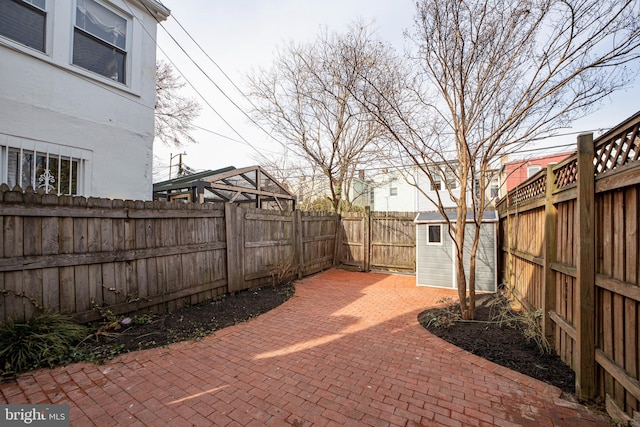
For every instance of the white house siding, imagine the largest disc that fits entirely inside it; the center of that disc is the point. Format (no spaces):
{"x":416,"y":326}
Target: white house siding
{"x":408,"y":197}
{"x":46,"y":101}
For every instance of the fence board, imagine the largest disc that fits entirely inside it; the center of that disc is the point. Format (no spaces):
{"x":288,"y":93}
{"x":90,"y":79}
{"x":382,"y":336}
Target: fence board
{"x":607,"y":269}
{"x":631,"y":347}
{"x":393,"y":241}
{"x":80,"y":255}
{"x":352,"y":240}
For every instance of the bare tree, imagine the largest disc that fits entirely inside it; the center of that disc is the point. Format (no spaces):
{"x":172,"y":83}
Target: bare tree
{"x":309,"y":99}
{"x":494,"y":74}
{"x":174,"y":113}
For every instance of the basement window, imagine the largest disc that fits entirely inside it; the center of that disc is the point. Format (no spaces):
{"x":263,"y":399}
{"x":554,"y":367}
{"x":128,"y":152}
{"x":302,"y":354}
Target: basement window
{"x":54,"y":173}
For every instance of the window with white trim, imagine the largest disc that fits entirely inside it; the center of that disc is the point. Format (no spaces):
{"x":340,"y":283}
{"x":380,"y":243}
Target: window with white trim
{"x":25,"y":22}
{"x":494,"y":190}
{"x":55,"y":174}
{"x":532,"y":170}
{"x":434,"y":234}
{"x":393,"y":191}
{"x":436,"y":183}
{"x":100,"y":40}
{"x":452,"y":183}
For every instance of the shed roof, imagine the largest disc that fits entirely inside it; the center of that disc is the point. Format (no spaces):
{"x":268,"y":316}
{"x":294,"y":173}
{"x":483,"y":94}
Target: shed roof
{"x":435,"y":217}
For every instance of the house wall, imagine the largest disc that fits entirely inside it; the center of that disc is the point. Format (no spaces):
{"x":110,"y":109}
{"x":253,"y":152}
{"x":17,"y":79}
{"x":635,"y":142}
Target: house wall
{"x":436,"y":263}
{"x":515,"y":173}
{"x":49,"y":104}
{"x":407,"y":198}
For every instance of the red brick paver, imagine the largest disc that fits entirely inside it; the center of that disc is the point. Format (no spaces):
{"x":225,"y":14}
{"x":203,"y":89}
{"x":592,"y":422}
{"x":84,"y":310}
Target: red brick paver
{"x":345,"y":350}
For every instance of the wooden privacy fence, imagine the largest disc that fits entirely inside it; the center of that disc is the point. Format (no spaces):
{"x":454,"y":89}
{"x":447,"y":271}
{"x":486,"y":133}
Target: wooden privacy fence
{"x":569,"y":246}
{"x":84,"y":256}
{"x":378,"y":241}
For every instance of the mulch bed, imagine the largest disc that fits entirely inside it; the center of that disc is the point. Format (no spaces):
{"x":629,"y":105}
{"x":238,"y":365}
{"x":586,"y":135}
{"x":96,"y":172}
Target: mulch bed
{"x":502,"y":344}
{"x":188,"y":323}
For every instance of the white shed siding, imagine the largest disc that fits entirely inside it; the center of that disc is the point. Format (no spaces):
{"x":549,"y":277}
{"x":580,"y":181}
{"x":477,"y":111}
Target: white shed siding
{"x":486,"y":263}
{"x":436,"y":264}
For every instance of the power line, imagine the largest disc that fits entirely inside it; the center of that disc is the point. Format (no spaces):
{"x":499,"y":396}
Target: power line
{"x":226,"y":76}
{"x":244,"y":140}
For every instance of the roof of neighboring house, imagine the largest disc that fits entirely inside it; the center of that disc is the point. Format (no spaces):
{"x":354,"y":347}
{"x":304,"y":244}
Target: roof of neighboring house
{"x":436,"y":217}
{"x":540,"y":159}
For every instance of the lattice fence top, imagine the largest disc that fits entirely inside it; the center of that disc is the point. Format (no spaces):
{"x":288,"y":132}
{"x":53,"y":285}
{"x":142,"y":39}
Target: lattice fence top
{"x":617,"y":148}
{"x":530,"y":190}
{"x":566,"y":173}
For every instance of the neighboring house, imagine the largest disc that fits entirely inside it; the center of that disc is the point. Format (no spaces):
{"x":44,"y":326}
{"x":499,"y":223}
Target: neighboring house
{"x":391,"y":191}
{"x":516,"y":172}
{"x":77,"y":95}
{"x":435,"y":251}
{"x":492,"y":187}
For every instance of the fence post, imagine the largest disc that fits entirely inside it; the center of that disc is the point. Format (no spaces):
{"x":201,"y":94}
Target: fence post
{"x":550,"y":248}
{"x":366,"y":248}
{"x":584,"y":322}
{"x":337,"y":246}
{"x":235,"y":243}
{"x":298,"y":245}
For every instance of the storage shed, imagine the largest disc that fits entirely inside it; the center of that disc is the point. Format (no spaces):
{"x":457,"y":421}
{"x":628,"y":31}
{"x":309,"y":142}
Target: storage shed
{"x":435,"y":253}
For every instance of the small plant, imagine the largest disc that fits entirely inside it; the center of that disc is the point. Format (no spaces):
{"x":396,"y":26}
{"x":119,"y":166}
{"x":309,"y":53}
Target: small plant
{"x":281,"y":272}
{"x":42,"y":341}
{"x":527,"y":321}
{"x":443,"y":317}
{"x":533,"y":332}
{"x":142,"y":319}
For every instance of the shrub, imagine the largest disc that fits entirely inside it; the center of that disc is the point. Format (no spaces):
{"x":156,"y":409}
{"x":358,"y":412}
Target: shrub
{"x":42,"y":341}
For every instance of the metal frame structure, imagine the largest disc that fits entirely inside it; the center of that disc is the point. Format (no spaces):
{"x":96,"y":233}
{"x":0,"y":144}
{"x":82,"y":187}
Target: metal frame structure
{"x":251,"y":185}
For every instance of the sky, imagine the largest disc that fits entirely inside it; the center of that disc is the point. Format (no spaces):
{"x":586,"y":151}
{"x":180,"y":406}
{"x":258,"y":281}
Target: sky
{"x":242,"y":36}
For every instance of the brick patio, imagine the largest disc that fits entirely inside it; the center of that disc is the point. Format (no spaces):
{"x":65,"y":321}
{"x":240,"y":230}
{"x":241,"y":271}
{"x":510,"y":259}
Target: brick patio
{"x":345,"y":350}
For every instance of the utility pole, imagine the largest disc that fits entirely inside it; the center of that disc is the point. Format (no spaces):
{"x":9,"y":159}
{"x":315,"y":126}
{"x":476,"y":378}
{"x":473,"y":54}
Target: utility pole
{"x":180,"y":168}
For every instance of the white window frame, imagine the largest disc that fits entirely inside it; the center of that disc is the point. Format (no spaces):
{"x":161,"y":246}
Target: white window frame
{"x":429,"y":241}
{"x":127,"y":46}
{"x":452,"y":183}
{"x":393,"y":191}
{"x":494,"y":188}
{"x":435,"y":179}
{"x":46,"y":32}
{"x":532,"y":170}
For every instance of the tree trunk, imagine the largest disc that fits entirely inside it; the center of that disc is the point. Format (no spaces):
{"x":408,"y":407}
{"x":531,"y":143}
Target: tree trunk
{"x":472,"y":271}
{"x":460,"y":276}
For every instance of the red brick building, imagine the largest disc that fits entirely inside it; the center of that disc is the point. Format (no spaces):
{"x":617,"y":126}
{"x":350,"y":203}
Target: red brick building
{"x":518,"y":171}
